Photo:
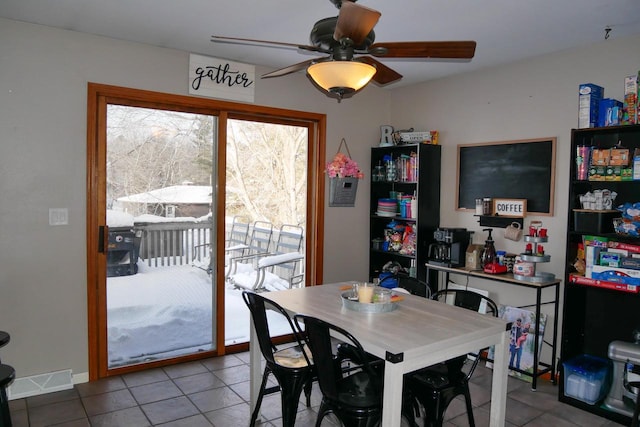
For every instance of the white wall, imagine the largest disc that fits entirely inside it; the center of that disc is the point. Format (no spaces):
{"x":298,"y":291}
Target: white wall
{"x":536,"y":98}
{"x":43,"y":79}
{"x":43,"y":97}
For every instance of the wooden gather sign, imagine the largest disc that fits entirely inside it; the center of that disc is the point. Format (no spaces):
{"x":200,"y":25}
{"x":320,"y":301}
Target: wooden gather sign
{"x":516,"y":208}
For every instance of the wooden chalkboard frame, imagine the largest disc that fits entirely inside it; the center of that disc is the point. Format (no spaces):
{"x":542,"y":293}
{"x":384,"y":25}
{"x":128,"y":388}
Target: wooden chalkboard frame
{"x":521,"y":169}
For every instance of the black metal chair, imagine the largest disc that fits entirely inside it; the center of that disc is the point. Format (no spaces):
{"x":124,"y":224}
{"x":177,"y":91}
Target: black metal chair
{"x":291,"y":366}
{"x":354,"y":396}
{"x":436,"y":386}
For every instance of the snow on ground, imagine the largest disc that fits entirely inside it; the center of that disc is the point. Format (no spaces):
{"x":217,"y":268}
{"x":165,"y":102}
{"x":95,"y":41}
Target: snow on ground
{"x":166,"y":311}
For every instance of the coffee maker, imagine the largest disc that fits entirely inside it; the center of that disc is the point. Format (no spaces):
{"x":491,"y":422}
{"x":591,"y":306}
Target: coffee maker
{"x":626,"y":360}
{"x":450,"y":246}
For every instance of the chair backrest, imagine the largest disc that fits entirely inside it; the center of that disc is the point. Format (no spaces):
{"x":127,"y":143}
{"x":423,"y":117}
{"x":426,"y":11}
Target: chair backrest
{"x":290,"y":238}
{"x":260,"y":238}
{"x":471,"y":301}
{"x":467,"y":299}
{"x":258,"y":307}
{"x":238,"y":233}
{"x":318,"y":335}
{"x":289,"y":241}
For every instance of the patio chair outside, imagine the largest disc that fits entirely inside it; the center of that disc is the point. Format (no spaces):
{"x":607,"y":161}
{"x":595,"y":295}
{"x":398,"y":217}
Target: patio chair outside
{"x":258,"y":244}
{"x":234,"y":245}
{"x":284,"y":263}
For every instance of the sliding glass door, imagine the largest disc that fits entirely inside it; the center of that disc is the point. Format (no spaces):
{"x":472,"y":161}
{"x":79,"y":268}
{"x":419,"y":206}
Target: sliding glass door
{"x":159,"y":217}
{"x":167,"y":177}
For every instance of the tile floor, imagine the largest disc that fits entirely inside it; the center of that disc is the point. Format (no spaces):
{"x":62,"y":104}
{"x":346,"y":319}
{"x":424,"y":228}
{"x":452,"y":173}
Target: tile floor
{"x":215,"y":392}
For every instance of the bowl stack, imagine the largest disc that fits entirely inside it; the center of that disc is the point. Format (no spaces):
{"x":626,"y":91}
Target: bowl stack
{"x":387,"y":207}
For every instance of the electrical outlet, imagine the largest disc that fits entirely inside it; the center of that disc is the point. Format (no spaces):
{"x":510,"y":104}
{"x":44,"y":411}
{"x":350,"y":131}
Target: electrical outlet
{"x":58,"y":216}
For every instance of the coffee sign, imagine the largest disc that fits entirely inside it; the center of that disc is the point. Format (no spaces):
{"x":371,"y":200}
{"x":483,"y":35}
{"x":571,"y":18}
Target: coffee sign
{"x":221,"y":78}
{"x":516,"y":208}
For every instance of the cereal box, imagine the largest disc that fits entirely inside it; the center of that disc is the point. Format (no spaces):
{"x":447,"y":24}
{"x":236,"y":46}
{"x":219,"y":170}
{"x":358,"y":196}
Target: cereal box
{"x":630,"y":104}
{"x":588,"y":102}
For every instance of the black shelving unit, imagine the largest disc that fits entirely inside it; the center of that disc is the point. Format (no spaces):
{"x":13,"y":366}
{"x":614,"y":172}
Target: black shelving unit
{"x":427,"y":189}
{"x":593,"y":317}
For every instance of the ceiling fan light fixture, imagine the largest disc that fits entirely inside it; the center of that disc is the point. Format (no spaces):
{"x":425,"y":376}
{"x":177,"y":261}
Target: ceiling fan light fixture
{"x":341,"y":77}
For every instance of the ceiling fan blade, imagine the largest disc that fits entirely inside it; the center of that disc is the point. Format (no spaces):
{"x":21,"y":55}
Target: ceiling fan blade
{"x":355,"y":22}
{"x":384,"y":75}
{"x":267,"y":43}
{"x":292,"y":68}
{"x":445,"y":49}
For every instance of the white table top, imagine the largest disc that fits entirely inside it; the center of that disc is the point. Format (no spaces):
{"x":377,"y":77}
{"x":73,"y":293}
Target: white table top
{"x":417,"y":325}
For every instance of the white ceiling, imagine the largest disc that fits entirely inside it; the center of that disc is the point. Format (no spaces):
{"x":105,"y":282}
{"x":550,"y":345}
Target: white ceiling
{"x":505,"y":30}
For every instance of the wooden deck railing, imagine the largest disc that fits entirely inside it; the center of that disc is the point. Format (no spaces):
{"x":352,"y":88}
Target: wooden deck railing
{"x":174,"y":243}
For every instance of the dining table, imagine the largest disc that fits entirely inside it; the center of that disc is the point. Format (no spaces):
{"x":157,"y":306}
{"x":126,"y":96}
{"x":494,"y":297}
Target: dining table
{"x":416,"y":333}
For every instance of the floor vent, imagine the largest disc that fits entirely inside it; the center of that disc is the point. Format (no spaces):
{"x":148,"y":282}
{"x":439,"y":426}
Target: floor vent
{"x":40,"y":384}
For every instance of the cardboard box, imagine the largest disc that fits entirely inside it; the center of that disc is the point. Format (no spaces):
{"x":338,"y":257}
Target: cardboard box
{"x":633,"y":249}
{"x":597,"y":173}
{"x":610,"y":259}
{"x":613,"y":173}
{"x":591,"y":257}
{"x":630,"y":262}
{"x":597,"y":241}
{"x":581,"y":280}
{"x":626,"y":276}
{"x":619,"y":157}
{"x":589,"y":96}
{"x":630,"y":104}
{"x":600,"y":156}
{"x":609,"y":112}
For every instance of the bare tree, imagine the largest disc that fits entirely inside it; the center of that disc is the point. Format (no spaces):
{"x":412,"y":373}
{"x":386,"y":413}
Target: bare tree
{"x":266,"y":171}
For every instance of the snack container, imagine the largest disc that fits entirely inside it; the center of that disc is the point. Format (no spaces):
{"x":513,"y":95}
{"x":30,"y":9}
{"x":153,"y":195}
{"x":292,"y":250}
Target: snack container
{"x":587,"y":378}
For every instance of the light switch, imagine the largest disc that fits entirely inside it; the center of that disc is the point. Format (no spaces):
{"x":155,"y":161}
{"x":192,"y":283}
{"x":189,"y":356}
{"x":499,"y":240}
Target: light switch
{"x":58,"y":216}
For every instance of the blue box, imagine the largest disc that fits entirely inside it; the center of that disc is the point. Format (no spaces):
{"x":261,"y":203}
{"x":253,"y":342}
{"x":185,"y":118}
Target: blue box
{"x":609,"y":112}
{"x":626,"y":276}
{"x":587,"y":378}
{"x":588,"y":102}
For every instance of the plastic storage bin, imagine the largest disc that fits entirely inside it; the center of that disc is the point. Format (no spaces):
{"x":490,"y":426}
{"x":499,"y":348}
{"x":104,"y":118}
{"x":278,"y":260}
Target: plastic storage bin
{"x":589,"y":221}
{"x":587,"y":378}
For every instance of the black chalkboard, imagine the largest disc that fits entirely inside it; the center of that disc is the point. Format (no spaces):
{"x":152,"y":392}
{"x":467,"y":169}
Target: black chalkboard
{"x":508,"y":170}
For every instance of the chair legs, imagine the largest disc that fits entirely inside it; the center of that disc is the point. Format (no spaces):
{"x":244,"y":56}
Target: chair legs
{"x":636,"y":410}
{"x":7,"y":374}
{"x":435,"y":404}
{"x":347,"y":419}
{"x":290,"y":388}
{"x":256,"y":410}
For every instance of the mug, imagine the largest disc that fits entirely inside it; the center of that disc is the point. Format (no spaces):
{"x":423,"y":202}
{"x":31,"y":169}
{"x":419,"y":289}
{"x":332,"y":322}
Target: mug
{"x":513,"y":231}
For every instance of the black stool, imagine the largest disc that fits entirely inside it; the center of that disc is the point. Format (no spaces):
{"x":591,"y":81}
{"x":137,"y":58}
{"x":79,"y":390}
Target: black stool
{"x":7,"y":374}
{"x":4,"y":338}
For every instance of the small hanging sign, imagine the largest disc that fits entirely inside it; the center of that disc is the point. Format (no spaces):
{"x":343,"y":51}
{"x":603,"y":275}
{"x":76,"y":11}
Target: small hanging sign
{"x":221,"y":78}
{"x":516,"y":208}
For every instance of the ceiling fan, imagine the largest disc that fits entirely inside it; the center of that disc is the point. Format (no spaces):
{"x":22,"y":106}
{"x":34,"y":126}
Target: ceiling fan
{"x":341,"y":38}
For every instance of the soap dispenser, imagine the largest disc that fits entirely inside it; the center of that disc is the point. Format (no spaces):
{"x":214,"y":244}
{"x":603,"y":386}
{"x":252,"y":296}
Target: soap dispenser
{"x":489,"y":252}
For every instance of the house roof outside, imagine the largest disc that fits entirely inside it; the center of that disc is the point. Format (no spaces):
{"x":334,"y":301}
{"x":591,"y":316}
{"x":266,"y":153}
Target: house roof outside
{"x":174,"y":195}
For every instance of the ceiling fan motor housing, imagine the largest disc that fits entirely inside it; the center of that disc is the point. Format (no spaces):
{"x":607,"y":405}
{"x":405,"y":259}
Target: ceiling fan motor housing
{"x":322,"y":35}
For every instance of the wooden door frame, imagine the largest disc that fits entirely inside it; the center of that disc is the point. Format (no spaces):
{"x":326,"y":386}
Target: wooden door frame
{"x":98,"y":97}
